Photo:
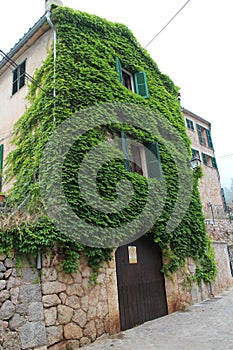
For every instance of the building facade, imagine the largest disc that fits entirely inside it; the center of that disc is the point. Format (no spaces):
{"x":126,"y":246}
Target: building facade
{"x":66,"y":309}
{"x":199,"y":132}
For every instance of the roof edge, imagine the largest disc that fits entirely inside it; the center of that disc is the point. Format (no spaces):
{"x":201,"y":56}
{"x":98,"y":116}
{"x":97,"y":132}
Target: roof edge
{"x":24,"y":39}
{"x":195,"y":116}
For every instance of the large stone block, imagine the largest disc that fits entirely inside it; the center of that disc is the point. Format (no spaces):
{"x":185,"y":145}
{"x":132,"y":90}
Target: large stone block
{"x":53,"y":287}
{"x":65,"y":278}
{"x":7,"y":310}
{"x":64,"y":314}
{"x":4,"y":295}
{"x":35,"y":311}
{"x":29,"y":293}
{"x":50,"y":316}
{"x":2,"y":284}
{"x":80,"y":317}
{"x":2,"y":267}
{"x":11,"y":341}
{"x":9,"y":263}
{"x":48,"y":274}
{"x":2,"y":256}
{"x":16,"y":322}
{"x":54,"y":334}
{"x":72,"y":331}
{"x":50,"y":300}
{"x":75,"y":289}
{"x":32,"y":335}
{"x":90,"y":330}
{"x":73,"y":301}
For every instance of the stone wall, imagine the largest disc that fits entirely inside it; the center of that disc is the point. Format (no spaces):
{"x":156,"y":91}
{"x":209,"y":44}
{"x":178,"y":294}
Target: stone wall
{"x":179,"y":295}
{"x":224,"y":278}
{"x":21,"y":312}
{"x":53,"y":310}
{"x":222,"y":230}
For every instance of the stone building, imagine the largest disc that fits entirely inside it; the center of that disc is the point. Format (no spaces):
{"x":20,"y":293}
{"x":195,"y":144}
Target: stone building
{"x":218,"y":224}
{"x":199,"y":131}
{"x":54,"y":310}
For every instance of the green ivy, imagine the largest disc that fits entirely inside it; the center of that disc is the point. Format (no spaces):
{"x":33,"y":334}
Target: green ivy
{"x":86,"y":76}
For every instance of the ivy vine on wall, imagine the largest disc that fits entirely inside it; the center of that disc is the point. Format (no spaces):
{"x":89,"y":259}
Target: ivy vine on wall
{"x":86,"y":76}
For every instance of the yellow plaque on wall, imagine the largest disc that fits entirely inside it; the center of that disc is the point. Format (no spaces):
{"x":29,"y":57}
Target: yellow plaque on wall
{"x":132,"y":250}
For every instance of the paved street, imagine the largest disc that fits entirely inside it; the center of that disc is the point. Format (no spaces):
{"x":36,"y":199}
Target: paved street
{"x":207,"y":325}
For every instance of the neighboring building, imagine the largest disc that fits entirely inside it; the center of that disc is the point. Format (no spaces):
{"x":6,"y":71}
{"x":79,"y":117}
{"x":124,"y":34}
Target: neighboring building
{"x":199,"y":132}
{"x":218,"y":222}
{"x":54,"y":309}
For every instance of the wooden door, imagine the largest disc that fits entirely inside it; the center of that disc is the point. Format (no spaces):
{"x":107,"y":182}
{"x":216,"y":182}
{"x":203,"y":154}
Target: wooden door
{"x":141,"y":287}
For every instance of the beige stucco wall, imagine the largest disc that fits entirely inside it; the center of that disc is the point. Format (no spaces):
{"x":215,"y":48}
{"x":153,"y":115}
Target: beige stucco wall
{"x":12,"y":107}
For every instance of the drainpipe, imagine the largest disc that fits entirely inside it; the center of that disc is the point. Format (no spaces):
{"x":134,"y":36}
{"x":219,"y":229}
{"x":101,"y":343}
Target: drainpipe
{"x":48,"y":17}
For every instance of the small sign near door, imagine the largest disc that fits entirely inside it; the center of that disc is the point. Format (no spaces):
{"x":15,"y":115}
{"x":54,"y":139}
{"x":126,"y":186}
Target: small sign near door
{"x":132,"y":250}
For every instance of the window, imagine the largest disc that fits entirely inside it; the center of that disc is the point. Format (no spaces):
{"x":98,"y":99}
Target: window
{"x":209,"y":161}
{"x":190,"y":124}
{"x":18,"y":77}
{"x":204,"y":136}
{"x":195,"y":153}
{"x":133,"y":81}
{"x":144,"y":159}
{"x":127,"y":80}
{"x":1,"y":164}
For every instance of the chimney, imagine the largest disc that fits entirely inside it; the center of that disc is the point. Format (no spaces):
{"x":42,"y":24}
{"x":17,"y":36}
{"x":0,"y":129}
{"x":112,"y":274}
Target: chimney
{"x":49,"y":3}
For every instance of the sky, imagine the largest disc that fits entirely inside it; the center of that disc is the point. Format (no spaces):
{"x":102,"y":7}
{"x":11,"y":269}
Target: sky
{"x":194,"y":50}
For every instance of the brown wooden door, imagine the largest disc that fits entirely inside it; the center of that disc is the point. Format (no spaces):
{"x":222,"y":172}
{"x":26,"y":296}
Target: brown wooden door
{"x":141,"y":287}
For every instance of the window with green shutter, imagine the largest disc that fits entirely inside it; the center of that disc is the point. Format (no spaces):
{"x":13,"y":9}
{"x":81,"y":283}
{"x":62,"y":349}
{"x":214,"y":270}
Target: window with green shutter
{"x":214,"y":163}
{"x":195,"y":153}
{"x":141,"y":86}
{"x":119,"y":69}
{"x":19,"y":77}
{"x":144,"y":159}
{"x":190,"y":124}
{"x":136,"y":82}
{"x":209,"y":139}
{"x":1,"y":164}
{"x":201,"y":140}
{"x":204,"y":158}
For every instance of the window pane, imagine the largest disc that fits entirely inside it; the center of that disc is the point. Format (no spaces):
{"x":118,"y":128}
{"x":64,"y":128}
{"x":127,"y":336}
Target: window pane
{"x":153,"y":162}
{"x":136,"y":161}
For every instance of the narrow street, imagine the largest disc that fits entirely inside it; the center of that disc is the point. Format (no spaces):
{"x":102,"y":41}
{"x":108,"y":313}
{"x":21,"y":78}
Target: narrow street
{"x":206,"y":325}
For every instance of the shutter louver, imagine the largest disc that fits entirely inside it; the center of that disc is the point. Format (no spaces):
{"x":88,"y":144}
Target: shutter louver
{"x":119,"y":69}
{"x":141,"y":86}
{"x":153,"y":162}
{"x":204,"y":159}
{"x":209,"y":139}
{"x":214,"y":163}
{"x":200,"y":134}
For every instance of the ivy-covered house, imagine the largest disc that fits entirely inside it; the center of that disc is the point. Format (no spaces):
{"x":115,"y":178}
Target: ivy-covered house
{"x":72,"y":83}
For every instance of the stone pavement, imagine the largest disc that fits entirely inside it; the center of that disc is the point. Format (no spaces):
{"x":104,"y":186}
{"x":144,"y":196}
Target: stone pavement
{"x":206,"y":325}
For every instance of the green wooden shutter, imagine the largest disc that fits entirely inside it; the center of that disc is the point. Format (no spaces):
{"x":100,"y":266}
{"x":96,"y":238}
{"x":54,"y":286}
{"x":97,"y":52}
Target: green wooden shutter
{"x":141,"y":86}
{"x":214,"y":163}
{"x":209,"y":139}
{"x":125,"y":150}
{"x":193,"y":152}
{"x":1,"y":164}
{"x":153,"y":161}
{"x":204,"y":159}
{"x":119,"y":69}
{"x":200,"y":134}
